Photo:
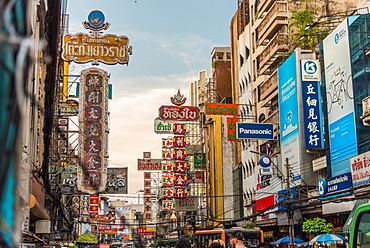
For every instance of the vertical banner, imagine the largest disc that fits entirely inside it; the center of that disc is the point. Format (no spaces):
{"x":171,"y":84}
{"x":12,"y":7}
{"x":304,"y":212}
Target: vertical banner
{"x":340,"y":102}
{"x":311,"y":101}
{"x":231,"y":128}
{"x":93,"y":118}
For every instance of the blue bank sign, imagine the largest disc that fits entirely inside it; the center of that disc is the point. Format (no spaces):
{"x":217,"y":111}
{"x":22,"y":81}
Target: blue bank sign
{"x":334,"y":184}
{"x":254,"y":130}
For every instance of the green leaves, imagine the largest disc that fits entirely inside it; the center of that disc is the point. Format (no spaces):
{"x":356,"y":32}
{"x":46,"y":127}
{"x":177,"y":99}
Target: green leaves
{"x":317,"y":225}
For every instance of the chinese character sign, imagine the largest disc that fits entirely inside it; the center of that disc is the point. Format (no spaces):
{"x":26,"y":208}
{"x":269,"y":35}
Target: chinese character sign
{"x":93,"y":118}
{"x":312,"y":106}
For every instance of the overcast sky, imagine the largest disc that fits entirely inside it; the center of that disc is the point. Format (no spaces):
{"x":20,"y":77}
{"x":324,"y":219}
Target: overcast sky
{"x":172,"y":41}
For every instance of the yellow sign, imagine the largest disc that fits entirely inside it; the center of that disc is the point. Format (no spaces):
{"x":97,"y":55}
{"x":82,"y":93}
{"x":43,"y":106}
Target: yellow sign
{"x":173,"y":216}
{"x":95,"y":47}
{"x":150,"y":228}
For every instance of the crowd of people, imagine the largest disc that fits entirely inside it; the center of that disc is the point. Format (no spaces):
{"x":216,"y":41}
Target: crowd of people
{"x":236,"y":241}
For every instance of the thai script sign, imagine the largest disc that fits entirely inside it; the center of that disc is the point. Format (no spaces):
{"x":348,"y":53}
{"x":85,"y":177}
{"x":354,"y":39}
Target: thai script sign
{"x":92,"y":174}
{"x":149,"y":164}
{"x":68,"y":108}
{"x":221,"y":109}
{"x":360,"y":169}
{"x":179,"y":113}
{"x":95,"y":47}
{"x":162,"y":127}
{"x":199,"y":160}
{"x":104,"y":228}
{"x":254,"y":130}
{"x":117,"y":180}
{"x":187,"y":204}
{"x":334,"y":184}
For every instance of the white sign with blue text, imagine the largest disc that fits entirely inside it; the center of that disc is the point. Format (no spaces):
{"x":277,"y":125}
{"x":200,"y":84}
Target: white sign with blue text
{"x":254,"y":130}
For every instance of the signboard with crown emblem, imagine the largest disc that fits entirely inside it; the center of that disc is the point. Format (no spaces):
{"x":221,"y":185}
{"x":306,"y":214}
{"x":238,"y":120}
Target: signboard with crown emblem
{"x":96,"y":47}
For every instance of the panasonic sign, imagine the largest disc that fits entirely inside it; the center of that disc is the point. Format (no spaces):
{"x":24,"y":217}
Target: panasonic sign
{"x":254,"y":130}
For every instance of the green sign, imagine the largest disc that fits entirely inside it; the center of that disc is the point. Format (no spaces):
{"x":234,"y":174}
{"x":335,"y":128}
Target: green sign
{"x":199,"y":160}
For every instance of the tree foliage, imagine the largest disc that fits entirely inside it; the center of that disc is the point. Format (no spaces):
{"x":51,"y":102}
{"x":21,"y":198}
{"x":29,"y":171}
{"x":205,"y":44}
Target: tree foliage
{"x":317,"y":225}
{"x":305,"y":32}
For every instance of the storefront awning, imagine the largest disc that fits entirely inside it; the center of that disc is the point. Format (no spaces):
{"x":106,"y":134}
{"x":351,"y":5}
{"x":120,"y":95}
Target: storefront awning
{"x":347,"y":226}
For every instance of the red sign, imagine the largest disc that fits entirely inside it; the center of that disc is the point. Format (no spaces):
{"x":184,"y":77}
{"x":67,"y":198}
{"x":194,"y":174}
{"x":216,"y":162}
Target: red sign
{"x":265,"y":202}
{"x":179,"y":129}
{"x":167,"y":192}
{"x":104,"y":229}
{"x":149,"y":164}
{"x":181,"y":192}
{"x":167,"y":155}
{"x":167,"y":180}
{"x":179,"y":113}
{"x":143,"y":231}
{"x":221,"y":109}
{"x":167,"y":143}
{"x":231,"y":129}
{"x":180,"y":180}
{"x":179,"y":154}
{"x":179,"y":141}
{"x":180,"y":167}
{"x":167,"y":167}
{"x":147,"y":175}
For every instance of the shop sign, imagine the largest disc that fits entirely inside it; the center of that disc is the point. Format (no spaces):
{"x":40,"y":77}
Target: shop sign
{"x":149,"y":164}
{"x":95,"y":47}
{"x":104,"y":228}
{"x":179,"y":113}
{"x":161,"y":127}
{"x":221,"y":109}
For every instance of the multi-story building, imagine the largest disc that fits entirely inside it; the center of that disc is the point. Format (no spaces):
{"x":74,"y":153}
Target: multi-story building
{"x":260,"y":43}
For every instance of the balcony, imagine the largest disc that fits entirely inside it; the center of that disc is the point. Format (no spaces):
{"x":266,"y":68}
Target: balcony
{"x":275,"y":19}
{"x":273,"y":118}
{"x":268,"y":87}
{"x":264,"y":6}
{"x":278,"y":46}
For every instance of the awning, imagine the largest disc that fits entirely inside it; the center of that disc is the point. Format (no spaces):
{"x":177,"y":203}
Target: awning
{"x":87,"y":238}
{"x":347,"y":226}
{"x":31,"y":237}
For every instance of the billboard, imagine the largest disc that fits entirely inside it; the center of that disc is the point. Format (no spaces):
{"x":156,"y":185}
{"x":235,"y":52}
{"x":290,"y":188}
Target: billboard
{"x":339,"y":94}
{"x":289,"y":112}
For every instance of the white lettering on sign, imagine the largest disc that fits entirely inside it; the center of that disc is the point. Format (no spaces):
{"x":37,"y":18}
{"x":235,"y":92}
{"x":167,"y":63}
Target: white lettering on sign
{"x":255,"y":131}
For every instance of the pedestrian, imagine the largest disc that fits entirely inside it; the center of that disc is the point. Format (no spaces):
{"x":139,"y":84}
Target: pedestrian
{"x":265,"y":245}
{"x":218,"y":243}
{"x":237,"y":240}
{"x":183,"y":243}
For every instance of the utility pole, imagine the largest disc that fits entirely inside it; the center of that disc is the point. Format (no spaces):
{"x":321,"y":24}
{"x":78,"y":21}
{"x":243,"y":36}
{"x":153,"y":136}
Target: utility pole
{"x":289,"y":211}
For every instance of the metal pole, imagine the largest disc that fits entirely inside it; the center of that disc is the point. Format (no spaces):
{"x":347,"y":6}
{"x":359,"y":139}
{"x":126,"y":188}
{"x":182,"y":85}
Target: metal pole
{"x":289,"y":212}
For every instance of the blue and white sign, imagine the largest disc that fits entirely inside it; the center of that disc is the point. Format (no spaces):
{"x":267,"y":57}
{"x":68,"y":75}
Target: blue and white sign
{"x":310,"y":70}
{"x":321,"y":186}
{"x":96,"y":21}
{"x":265,"y":161}
{"x":335,"y":184}
{"x":254,"y":130}
{"x":288,"y":87}
{"x":266,"y":171}
{"x":312,"y":109}
{"x":340,"y":99}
